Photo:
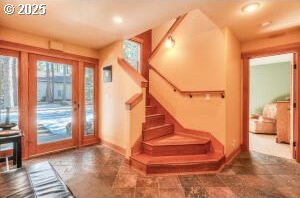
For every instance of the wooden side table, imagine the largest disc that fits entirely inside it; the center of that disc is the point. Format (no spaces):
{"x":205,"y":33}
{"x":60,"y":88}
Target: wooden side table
{"x":14,"y":137}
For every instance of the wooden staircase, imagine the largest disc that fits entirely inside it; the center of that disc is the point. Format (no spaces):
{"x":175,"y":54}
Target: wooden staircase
{"x":165,"y":150}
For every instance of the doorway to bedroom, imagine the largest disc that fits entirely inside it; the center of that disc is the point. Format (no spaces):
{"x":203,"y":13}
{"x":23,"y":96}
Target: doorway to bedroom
{"x":270,"y":106}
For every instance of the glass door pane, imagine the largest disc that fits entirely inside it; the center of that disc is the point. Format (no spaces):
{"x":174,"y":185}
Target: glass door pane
{"x":8,"y":89}
{"x":89,"y":117}
{"x":8,"y":92}
{"x":54,"y":102}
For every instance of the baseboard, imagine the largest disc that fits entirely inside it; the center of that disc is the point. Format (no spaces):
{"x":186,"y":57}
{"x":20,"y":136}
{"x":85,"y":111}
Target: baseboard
{"x":114,"y":147}
{"x":233,"y":154}
{"x":51,"y":152}
{"x":117,"y":149}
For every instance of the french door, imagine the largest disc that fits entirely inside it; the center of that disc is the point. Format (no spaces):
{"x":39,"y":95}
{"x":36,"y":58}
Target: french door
{"x":53,"y":104}
{"x":62,"y":104}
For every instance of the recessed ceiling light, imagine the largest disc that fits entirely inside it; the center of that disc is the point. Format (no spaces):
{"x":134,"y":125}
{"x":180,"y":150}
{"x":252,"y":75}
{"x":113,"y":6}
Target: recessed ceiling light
{"x":118,"y":19}
{"x":251,"y":7}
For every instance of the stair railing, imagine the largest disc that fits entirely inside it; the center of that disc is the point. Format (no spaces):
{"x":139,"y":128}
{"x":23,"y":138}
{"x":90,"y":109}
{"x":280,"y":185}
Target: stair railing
{"x":171,"y":30}
{"x":220,"y":93}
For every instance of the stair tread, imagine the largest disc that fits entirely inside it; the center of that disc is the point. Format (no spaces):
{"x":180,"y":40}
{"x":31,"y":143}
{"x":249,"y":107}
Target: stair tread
{"x":150,"y":106}
{"x":158,"y":126}
{"x":179,"y":160}
{"x":176,"y":140}
{"x":153,"y":115}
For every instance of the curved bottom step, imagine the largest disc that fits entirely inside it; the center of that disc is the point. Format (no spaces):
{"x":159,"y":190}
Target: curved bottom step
{"x":177,"y":164}
{"x":176,"y":145}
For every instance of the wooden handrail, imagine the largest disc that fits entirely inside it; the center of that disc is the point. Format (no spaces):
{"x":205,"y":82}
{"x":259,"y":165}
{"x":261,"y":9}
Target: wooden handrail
{"x":154,"y":52}
{"x":168,"y":33}
{"x":134,"y":100}
{"x":137,"y":77}
{"x":189,"y":93}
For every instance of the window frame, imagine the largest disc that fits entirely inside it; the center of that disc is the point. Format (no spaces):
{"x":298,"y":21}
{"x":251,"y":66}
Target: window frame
{"x":16,"y":54}
{"x":89,"y":139}
{"x":140,"y":43}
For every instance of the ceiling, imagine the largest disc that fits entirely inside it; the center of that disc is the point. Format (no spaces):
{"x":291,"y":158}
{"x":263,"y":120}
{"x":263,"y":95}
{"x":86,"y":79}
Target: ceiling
{"x":271,"y":59}
{"x":284,"y":15}
{"x":89,"y":22}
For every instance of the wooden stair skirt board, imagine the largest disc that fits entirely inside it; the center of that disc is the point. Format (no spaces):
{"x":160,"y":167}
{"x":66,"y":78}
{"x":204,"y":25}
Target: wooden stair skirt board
{"x":165,"y":150}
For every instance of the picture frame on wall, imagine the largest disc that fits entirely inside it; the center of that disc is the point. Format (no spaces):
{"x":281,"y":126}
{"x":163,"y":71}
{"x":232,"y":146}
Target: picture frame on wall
{"x":107,"y":74}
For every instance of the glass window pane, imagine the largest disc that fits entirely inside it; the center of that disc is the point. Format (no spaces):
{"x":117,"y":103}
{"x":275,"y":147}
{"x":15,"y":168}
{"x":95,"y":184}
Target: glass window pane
{"x":8,"y":92}
{"x":54,"y":96}
{"x":131,"y":54}
{"x":89,"y":101}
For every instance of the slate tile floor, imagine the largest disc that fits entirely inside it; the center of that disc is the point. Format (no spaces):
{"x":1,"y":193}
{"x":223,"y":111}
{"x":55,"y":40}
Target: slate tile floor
{"x":97,"y":171}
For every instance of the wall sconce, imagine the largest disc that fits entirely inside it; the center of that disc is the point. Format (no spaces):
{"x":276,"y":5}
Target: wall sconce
{"x":170,"y":42}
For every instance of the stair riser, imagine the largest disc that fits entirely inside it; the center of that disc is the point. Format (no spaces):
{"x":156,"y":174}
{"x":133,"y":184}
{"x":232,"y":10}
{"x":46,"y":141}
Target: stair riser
{"x":151,"y":110}
{"x":158,"y":132}
{"x":176,"y":150}
{"x":147,"y":100}
{"x":154,"y":121}
{"x":179,"y":168}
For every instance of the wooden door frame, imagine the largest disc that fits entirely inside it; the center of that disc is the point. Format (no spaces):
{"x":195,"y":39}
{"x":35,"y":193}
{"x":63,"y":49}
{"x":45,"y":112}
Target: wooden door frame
{"x":22,"y":93}
{"x":23,"y":52}
{"x":87,"y":140}
{"x":290,"y":48}
{"x":34,"y":147}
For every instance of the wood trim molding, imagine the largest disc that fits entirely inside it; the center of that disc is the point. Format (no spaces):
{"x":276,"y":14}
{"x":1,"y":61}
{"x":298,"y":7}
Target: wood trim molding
{"x":271,"y":51}
{"x":45,"y":52}
{"x":168,"y":33}
{"x":289,"y":48}
{"x":114,"y":147}
{"x":134,"y":100}
{"x":51,"y":152}
{"x":137,"y":77}
{"x":245,"y":103}
{"x":233,"y":154}
{"x":297,"y":110}
{"x":137,"y":39}
{"x":186,"y":92}
{"x":91,"y":139}
{"x":137,"y":146}
{"x":24,"y":101}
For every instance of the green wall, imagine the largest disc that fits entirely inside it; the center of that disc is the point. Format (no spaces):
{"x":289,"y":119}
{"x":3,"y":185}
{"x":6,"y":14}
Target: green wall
{"x":268,"y":83}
